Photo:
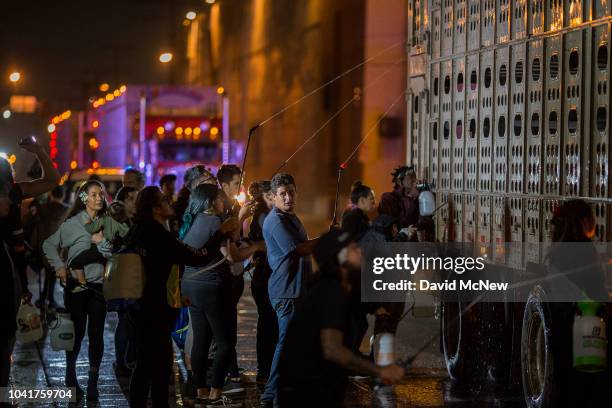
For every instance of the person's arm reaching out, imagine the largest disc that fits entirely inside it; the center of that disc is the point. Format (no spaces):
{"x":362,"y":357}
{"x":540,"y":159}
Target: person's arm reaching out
{"x":51,"y":176}
{"x":307,"y":247}
{"x":335,"y":351}
{"x":236,"y":254}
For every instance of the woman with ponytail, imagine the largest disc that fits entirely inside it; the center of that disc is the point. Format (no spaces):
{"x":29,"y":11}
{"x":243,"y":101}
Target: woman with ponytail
{"x":209,"y":293}
{"x":355,"y":219}
{"x":84,"y":302}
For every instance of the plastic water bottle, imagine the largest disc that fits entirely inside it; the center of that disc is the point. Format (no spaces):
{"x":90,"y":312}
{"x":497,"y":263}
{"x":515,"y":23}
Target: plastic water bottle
{"x":427,"y":203}
{"x":29,"y":327}
{"x":62,"y":333}
{"x":384,"y":349}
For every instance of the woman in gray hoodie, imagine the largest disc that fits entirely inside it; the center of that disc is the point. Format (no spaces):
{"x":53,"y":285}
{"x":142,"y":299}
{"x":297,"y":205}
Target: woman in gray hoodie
{"x":85,"y":301}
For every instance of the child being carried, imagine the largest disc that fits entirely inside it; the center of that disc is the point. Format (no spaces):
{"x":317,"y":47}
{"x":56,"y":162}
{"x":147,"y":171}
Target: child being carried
{"x":113,"y":226}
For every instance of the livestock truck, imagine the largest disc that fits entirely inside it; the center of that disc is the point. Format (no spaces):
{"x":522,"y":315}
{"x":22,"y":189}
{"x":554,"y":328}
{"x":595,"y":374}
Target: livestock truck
{"x":508,"y":116}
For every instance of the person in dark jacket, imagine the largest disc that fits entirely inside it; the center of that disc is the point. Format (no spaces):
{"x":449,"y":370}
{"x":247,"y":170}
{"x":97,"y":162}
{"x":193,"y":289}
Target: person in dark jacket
{"x":51,"y":214}
{"x":318,"y":351}
{"x":402,"y":203}
{"x":355,"y":219}
{"x":154,"y":318}
{"x":12,"y":248}
{"x":8,"y":311}
{"x":267,"y":325}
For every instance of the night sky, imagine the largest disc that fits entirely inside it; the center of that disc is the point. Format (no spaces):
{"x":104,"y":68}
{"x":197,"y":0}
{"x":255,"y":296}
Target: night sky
{"x":65,"y":48}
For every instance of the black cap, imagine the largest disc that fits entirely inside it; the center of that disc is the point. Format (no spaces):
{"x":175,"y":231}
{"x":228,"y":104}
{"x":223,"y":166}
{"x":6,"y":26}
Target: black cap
{"x":330,"y":245}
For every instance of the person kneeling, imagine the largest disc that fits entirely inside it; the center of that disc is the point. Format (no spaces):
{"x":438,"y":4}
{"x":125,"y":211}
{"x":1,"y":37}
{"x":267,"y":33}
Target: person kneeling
{"x":315,"y":362}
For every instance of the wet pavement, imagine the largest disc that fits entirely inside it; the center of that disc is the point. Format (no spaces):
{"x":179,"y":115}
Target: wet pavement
{"x":427,"y":385}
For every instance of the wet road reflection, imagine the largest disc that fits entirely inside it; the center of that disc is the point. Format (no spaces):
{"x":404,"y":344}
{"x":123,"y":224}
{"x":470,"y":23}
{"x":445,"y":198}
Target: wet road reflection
{"x":427,"y":385}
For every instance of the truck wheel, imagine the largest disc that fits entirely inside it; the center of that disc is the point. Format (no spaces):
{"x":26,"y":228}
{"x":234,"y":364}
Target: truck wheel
{"x":459,"y":351}
{"x":476,"y":344}
{"x":544,"y":337}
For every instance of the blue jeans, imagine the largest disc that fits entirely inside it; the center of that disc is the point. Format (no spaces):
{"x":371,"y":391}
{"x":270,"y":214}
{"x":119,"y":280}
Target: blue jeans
{"x":285,"y":310}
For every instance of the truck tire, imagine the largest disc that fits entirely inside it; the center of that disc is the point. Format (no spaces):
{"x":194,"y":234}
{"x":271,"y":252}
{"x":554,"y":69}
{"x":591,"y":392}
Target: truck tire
{"x":476,"y":345}
{"x":459,"y":349}
{"x":545,"y":334}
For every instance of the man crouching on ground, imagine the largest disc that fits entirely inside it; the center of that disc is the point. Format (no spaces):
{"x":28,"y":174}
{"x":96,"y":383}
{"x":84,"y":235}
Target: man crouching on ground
{"x":317,"y":357}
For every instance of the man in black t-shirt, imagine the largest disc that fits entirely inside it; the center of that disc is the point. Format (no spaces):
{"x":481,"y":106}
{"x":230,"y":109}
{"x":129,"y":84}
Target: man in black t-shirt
{"x":317,"y":352}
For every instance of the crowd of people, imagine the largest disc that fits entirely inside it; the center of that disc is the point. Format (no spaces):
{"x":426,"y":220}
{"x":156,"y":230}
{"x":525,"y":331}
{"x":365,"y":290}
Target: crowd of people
{"x":205,"y":231}
{"x":311,"y":321}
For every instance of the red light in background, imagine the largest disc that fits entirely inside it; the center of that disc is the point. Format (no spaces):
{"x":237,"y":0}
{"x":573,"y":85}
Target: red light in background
{"x":95,"y":164}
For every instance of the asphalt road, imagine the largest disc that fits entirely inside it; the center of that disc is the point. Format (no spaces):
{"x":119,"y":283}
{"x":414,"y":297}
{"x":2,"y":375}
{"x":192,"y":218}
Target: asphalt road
{"x":426,"y":385}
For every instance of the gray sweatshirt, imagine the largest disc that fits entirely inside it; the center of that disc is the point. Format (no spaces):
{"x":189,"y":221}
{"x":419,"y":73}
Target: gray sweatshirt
{"x":72,"y":235}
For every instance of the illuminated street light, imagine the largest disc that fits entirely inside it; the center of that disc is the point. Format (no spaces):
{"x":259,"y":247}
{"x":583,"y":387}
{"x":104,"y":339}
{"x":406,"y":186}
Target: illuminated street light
{"x":210,"y":1}
{"x":15,"y":76}
{"x":104,"y":87}
{"x":165,"y":57}
{"x":191,"y":15}
{"x":220,"y":90}
{"x":51,"y":128}
{"x":6,"y":114}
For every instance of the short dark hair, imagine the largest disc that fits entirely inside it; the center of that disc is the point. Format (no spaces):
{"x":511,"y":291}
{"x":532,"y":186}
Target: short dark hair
{"x":139,"y":175}
{"x":123,"y":193}
{"x":226,"y":173}
{"x":58,"y":192}
{"x":167,"y":178}
{"x":281,"y":179}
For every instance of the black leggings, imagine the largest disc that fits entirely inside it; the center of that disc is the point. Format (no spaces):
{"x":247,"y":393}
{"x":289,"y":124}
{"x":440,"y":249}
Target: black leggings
{"x":85,"y":306}
{"x":211,"y":316}
{"x":154,"y":360}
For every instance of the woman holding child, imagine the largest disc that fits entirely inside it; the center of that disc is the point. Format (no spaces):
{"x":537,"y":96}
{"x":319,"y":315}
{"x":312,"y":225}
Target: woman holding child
{"x":82,"y":272}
